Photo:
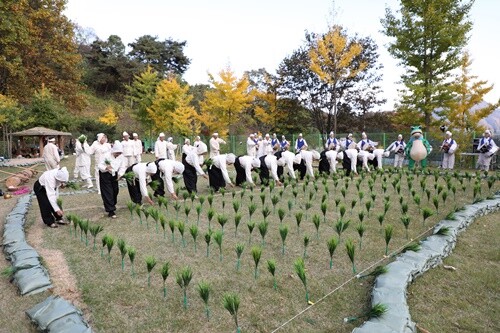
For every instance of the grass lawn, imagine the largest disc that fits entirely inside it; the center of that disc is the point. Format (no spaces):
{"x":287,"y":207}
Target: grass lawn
{"x":119,"y":301}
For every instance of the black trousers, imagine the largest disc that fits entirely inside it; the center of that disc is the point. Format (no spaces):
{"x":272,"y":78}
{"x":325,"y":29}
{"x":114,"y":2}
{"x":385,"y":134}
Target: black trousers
{"x":190,"y":177}
{"x":215,"y":178}
{"x":46,"y":210}
{"x":160,"y":190}
{"x":109,"y":191}
{"x":302,"y":169}
{"x":240,"y":172}
{"x":134,"y":190}
{"x":264,"y":171}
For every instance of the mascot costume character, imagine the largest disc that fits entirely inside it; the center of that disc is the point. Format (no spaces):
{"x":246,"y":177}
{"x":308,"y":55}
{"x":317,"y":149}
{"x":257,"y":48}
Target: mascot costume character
{"x":418,"y":148}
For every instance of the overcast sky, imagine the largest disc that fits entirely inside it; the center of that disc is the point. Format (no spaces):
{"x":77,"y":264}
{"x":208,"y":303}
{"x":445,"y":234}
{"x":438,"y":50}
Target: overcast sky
{"x":257,"y":34}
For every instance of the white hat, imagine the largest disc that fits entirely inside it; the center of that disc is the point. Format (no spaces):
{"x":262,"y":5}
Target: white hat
{"x":448,"y":133}
{"x":400,"y":136}
{"x":487,"y":132}
{"x":230,"y":158}
{"x":251,"y":135}
{"x":215,"y":134}
{"x":51,"y":140}
{"x":62,"y":175}
{"x":178,"y":167}
{"x":99,"y":136}
{"x":267,"y":135}
{"x":363,"y":135}
{"x":300,"y":134}
{"x":125,"y":134}
{"x":315,"y":155}
{"x":151,"y":167}
{"x":162,"y":134}
{"x":256,"y":163}
{"x":349,"y":135}
{"x":331,"y":133}
{"x":117,"y":147}
{"x":283,"y":137}
{"x":186,"y":141}
{"x":134,"y":134}
{"x":198,"y":137}
{"x":170,"y":139}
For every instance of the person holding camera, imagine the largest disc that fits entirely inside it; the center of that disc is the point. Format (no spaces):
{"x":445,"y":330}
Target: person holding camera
{"x":448,"y":147}
{"x":486,"y":148}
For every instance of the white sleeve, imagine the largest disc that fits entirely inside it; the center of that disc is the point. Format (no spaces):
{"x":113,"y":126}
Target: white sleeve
{"x":248,"y":172}
{"x":223,"y":169}
{"x":141,"y":175}
{"x":167,"y":177}
{"x":122,"y":165}
{"x":391,"y":146}
{"x":52,"y":193}
{"x":157,"y":149}
{"x":274,"y":169}
{"x":453,"y":147}
{"x":192,"y":159}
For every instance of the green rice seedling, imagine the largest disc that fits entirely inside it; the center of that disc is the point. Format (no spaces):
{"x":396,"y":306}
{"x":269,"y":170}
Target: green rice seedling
{"x":394,"y":183}
{"x":311,"y":195}
{"x":239,"y":250}
{"x":256,"y":252}
{"x":187,"y":210}
{"x":324,"y":208}
{"x":280,"y":193}
{"x":177,"y":207}
{"x":172,"y":225}
{"x":341,"y":226}
{"x":251,"y":210}
{"x":210,"y":216}
{"x":59,"y":203}
{"x":376,"y":311}
{"x":109,"y":245}
{"x":204,"y":290}
{"x":307,"y":207}
{"x":298,"y":219}
{"x":283,"y":233}
{"x":387,"y":205}
{"x":443,"y":231}
{"x":201,"y":200}
{"x":183,"y":278}
{"x":103,"y":241}
{"x":337,"y":202}
{"x":208,"y":239}
{"x":218,"y":239}
{"x":138,"y":211}
{"x":306,"y":244}
{"x":185,"y":196}
{"x":236,"y":206}
{"x":342,"y":210}
{"x":405,"y":219}
{"x":131,"y":208}
{"x":154,"y":185}
{"x":251,"y":196}
{"x":237,"y":221}
{"x":416,"y":199}
{"x":129,"y":177}
{"x":193,"y":230}
{"x":295,"y":193}
{"x":491,"y":181}
{"x":147,"y":213}
{"x":351,"y":251}
{"x":271,"y":267}
{"x":368,"y":205}
{"x":317,"y":222}
{"x":411,"y":247}
{"x":165,"y":272}
{"x":360,"y":228}
{"x":380,"y":218}
{"x":361,"y":216}
{"x":379,"y":270}
{"x":426,"y":213}
{"x":454,"y":191}
{"x":123,"y":251}
{"x":150,"y":264}
{"x":332,"y":246}
{"x":94,"y":231}
{"x":304,"y":186}
{"x":192,"y":196}
{"x":404,"y":208}
{"x":343,"y":192}
{"x":451,"y":216}
{"x":251,"y":226}
{"x":162,"y":201}
{"x":428,"y":194}
{"x":177,"y":189}
{"x":281,"y":214}
{"x":71,"y":218}
{"x":384,"y":187}
{"x":387,"y":236}
{"x":266,"y":212}
{"x":300,"y":270}
{"x":263,"y":198}
{"x":155,"y":215}
{"x":198,"y":213}
{"x":231,"y":303}
{"x":440,"y":189}
{"x":401,"y":200}
{"x":131,"y":256}
{"x":263,"y":226}
{"x":223,"y":205}
{"x":181,"y":226}
{"x":222,"y":219}
{"x":290,"y":206}
{"x":398,"y":188}
{"x":274,"y":200}
{"x":84,"y":226}
{"x":163,"y":223}
{"x":361,"y":195}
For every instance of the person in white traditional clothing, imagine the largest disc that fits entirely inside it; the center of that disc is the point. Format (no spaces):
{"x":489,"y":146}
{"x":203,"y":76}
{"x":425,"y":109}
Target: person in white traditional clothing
{"x":46,"y":189}
{"x":251,"y":146}
{"x":289,"y":159}
{"x":201,"y":149}
{"x":244,"y":166}
{"x":268,"y":147}
{"x":82,"y":162}
{"x":171,"y":147}
{"x":285,"y":145}
{"x":187,"y":148}
{"x":128,"y":149}
{"x":366,"y":148}
{"x":137,"y":188}
{"x":51,"y":155}
{"x":261,"y":147}
{"x":269,"y":167}
{"x":300,"y":144}
{"x":168,"y":169}
{"x":218,"y":176}
{"x":275,"y":143}
{"x":111,"y":168}
{"x":398,"y":147}
{"x":448,"y":147}
{"x":161,"y":147}
{"x":308,"y":156}
{"x":98,"y":149}
{"x":215,"y":143}
{"x":332,"y":148}
{"x":192,"y":167}
{"x":350,"y":155}
{"x":487,"y":148}
{"x":137,"y":148}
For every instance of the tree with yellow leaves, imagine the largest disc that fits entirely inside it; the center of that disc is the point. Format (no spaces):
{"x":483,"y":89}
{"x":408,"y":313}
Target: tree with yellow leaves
{"x":225,"y":103}
{"x":337,"y":60}
{"x":467,"y":107}
{"x":109,"y":118}
{"x":171,"y":111}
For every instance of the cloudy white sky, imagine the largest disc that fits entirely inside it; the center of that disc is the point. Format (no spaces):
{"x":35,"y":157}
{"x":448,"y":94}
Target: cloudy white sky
{"x":258,"y":34}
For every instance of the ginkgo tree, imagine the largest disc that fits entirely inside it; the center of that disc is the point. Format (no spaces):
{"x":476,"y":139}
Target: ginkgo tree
{"x":226,"y":102}
{"x":337,"y":59}
{"x":141,"y":93}
{"x":171,"y":111}
{"x":109,"y":117}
